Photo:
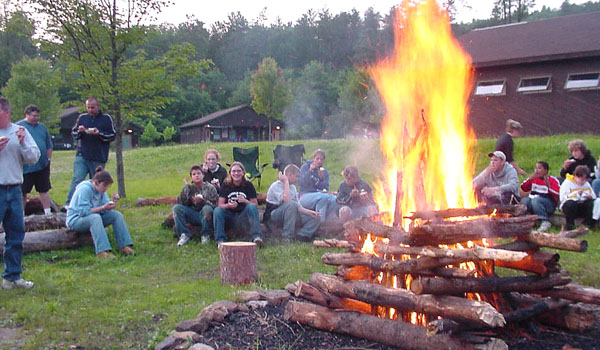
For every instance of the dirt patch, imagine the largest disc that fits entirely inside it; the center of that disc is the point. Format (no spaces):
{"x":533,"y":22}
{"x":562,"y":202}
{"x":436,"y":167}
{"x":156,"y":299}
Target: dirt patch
{"x":11,"y":338}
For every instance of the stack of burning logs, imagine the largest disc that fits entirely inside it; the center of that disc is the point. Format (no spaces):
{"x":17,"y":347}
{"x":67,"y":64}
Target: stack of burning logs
{"x":411,"y":293}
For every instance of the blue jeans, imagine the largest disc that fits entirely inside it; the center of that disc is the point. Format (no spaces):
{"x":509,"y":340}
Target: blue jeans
{"x":541,"y":206}
{"x":221,"y":216}
{"x":11,"y":216}
{"x":287,"y":214}
{"x":596,"y":186}
{"x":323,"y":203}
{"x":96,"y":224}
{"x":184,"y":215}
{"x":81,"y":168}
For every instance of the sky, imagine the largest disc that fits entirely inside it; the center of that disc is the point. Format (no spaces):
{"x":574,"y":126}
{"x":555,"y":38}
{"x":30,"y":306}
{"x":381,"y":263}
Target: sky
{"x":289,"y":11}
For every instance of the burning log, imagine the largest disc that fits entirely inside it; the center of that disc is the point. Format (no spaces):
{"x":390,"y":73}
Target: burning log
{"x":393,"y":333}
{"x":379,"y":264}
{"x":237,"y":262}
{"x":323,"y":298}
{"x":38,"y":241}
{"x":462,"y":309}
{"x":555,"y":241}
{"x":451,"y":272}
{"x":377,"y":229}
{"x":335,"y":243}
{"x":541,"y":262}
{"x":354,"y":272}
{"x":573,"y":292}
{"x":512,"y":210}
{"x":477,"y":253}
{"x":441,"y":285}
{"x":43,"y":222}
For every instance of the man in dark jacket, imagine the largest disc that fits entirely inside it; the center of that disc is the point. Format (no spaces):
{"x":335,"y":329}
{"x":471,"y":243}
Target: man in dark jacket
{"x":93,"y":131}
{"x":580,"y":155}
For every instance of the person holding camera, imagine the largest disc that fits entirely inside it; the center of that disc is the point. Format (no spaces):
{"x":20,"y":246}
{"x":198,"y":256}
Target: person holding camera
{"x":237,"y":202}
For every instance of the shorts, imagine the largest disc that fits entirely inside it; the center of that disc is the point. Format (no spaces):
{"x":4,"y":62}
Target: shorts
{"x":41,"y":180}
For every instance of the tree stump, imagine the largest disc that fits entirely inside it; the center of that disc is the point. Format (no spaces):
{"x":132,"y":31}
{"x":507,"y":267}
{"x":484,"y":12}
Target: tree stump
{"x":237,"y":262}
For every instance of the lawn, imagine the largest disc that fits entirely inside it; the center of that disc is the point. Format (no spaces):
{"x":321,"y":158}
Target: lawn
{"x":134,"y":302}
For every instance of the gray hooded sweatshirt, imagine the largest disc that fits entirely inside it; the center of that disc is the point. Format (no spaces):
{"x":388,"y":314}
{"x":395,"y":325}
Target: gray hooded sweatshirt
{"x":507,"y":180}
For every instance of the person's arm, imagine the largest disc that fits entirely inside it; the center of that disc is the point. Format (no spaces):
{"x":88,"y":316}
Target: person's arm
{"x":75,"y":131}
{"x":304,"y":180}
{"x":29,"y":149}
{"x":287,"y":196}
{"x":223,"y":203}
{"x":512,"y":183}
{"x":311,"y":213}
{"x":343,"y":196}
{"x":480,"y":180}
{"x":106,"y":132}
{"x":517,"y":168}
{"x":211,"y":195}
{"x":185,"y":196}
{"x":325,"y":180}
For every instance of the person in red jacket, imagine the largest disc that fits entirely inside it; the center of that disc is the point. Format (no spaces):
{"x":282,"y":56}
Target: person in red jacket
{"x":543,"y":196}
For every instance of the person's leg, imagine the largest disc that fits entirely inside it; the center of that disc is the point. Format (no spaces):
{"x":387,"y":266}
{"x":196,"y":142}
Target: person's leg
{"x":323,"y":205}
{"x":286,"y":216}
{"x":345,"y":213}
{"x":43,"y":185}
{"x":569,"y":208}
{"x":596,"y":209}
{"x":527,"y":201}
{"x":596,"y":185}
{"x":80,"y":171}
{"x":309,"y":200}
{"x":26,"y":186}
{"x":331,"y":211}
{"x":309,"y":227}
{"x":11,"y":214}
{"x":206,"y":219}
{"x":366,"y":210}
{"x":221,"y":215}
{"x":251,"y":212}
{"x":182,"y":216}
{"x":94,"y":224}
{"x":587,"y":208}
{"x":542,"y":207}
{"x":115,"y":218}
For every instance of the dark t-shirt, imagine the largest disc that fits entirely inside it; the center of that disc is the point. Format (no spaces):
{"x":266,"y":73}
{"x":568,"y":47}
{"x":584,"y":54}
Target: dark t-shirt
{"x":233,"y":192}
{"x":506,"y":144}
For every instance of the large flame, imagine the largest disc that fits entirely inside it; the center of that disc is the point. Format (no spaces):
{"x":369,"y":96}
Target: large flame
{"x":425,"y":138}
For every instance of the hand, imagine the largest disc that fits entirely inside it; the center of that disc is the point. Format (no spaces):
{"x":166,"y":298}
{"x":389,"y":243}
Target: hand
{"x":81,"y":128}
{"x":364,"y":195}
{"x":198,"y":200}
{"x":232,"y":204}
{"x":490,"y":191}
{"x":354,"y":193}
{"x":282,"y":177}
{"x":109,"y":205}
{"x":313,"y":214}
{"x":185,"y":181}
{"x":522,"y":172}
{"x":567,"y":163}
{"x":321,"y":172}
{"x":242,"y":200}
{"x":21,"y":134}
{"x":312,"y":166}
{"x":116,"y":197}
{"x":3,"y":141}
{"x":95,"y":131}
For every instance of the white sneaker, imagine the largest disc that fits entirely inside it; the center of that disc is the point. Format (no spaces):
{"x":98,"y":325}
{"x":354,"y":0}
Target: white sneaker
{"x":183,"y":240}
{"x":258,"y":241}
{"x":204,"y":239}
{"x":545,"y":226}
{"x":20,"y":283}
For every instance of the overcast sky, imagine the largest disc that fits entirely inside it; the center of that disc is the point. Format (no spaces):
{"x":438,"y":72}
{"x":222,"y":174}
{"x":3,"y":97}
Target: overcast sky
{"x":210,"y":12}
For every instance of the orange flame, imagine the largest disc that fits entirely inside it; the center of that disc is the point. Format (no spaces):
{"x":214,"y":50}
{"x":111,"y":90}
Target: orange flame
{"x":425,"y":138}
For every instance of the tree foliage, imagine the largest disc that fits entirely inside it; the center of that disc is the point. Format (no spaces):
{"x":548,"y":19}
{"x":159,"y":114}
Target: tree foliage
{"x":16,"y":41}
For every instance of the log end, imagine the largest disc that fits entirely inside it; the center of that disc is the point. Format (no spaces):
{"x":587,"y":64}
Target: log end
{"x":417,"y":286}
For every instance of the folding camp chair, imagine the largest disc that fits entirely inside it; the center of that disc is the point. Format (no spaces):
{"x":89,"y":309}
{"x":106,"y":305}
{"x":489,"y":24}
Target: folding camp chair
{"x":284,"y":155}
{"x":249,"y":158}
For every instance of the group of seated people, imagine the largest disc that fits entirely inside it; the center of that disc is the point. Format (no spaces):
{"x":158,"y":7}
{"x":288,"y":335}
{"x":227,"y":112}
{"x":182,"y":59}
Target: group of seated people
{"x":575,"y":192}
{"x":217,"y":198}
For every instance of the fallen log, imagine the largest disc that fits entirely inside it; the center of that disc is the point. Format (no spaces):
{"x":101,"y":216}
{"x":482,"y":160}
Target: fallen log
{"x":464,"y":310}
{"x":474,"y":254}
{"x":452,"y":272}
{"x":518,"y":246}
{"x":355,"y":273}
{"x":574,"y":233}
{"x":365,"y":225}
{"x":380,"y":264}
{"x":541,"y":262}
{"x":323,"y":298}
{"x":513,"y":210}
{"x":34,"y":205}
{"x":335,"y":243}
{"x":458,"y":286}
{"x":172,"y":200}
{"x":38,"y":241}
{"x":394,"y":333}
{"x":43,"y":222}
{"x":555,"y":241}
{"x":574,"y":292}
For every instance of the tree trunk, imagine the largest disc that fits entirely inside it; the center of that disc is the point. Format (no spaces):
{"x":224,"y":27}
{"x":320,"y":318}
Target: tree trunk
{"x":38,"y":241}
{"x":458,"y":286}
{"x":464,"y":310}
{"x":119,"y":156}
{"x":237,"y":262}
{"x":573,"y":292}
{"x":394,"y":333}
{"x":378,"y":264}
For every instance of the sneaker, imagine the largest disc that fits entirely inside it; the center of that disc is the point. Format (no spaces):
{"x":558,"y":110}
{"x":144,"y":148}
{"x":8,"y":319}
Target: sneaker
{"x":545,"y":226}
{"x":183,"y":239}
{"x":204,"y":239}
{"x":20,"y":283}
{"x":127,"y":250}
{"x":105,"y":255}
{"x":258,"y":241}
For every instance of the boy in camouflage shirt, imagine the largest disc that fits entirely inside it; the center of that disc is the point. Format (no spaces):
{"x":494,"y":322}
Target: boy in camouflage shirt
{"x":195,"y":206}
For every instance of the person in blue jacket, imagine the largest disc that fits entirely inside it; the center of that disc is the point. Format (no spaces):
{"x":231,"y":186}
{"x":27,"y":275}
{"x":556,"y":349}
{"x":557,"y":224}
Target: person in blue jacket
{"x":314,"y":187}
{"x":91,"y":210}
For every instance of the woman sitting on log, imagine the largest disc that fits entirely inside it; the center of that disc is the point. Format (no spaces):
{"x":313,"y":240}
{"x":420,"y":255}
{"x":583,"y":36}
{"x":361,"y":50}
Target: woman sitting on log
{"x":91,"y":210}
{"x":314,"y":187}
{"x":214,"y":173}
{"x":355,"y":196}
{"x":237,"y":200}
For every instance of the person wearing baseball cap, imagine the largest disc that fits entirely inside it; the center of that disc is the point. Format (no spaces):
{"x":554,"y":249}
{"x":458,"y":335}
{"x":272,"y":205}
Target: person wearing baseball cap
{"x":498,"y":184}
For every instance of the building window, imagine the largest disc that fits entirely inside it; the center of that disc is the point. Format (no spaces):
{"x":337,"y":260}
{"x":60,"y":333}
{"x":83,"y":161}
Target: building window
{"x":532,"y":85}
{"x":490,"y":87}
{"x":583,"y":81}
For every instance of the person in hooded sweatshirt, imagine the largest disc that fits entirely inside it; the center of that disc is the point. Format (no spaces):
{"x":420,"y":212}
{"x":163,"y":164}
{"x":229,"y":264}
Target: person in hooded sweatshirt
{"x":91,"y":210}
{"x":498,"y":184}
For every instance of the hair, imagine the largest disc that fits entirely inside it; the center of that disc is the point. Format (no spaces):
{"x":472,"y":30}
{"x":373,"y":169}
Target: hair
{"x":102,"y":176}
{"x":582,"y":171}
{"x":319,"y":151}
{"x":544,"y":165}
{"x":4,"y":104}
{"x":228,"y":180}
{"x":291,"y":169}
{"x":213,"y":151}
{"x":350,"y":171}
{"x":577,"y":144}
{"x":31,"y":109}
{"x":195,"y":167}
{"x":513,"y":125}
{"x":90,"y":99}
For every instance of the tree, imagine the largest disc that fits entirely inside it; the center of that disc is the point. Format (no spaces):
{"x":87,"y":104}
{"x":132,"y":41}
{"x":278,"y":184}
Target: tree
{"x":33,"y":81}
{"x":93,"y":37}
{"x":270,"y":91}
{"x":16,"y":33}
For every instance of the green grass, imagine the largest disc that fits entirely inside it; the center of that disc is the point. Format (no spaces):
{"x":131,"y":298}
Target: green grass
{"x":134,"y":302}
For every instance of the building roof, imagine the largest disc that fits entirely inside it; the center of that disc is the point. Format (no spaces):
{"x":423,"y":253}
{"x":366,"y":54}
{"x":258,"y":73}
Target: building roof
{"x":557,"y":38}
{"x":242,"y":115}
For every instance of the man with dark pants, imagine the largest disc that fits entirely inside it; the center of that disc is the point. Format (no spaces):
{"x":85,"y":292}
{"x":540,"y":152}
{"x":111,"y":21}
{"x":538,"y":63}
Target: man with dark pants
{"x":39,"y":173}
{"x":94,"y":131}
{"x":16,"y":147}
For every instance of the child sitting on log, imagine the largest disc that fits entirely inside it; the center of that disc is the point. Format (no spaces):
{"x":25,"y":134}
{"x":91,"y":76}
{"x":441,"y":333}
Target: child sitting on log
{"x":91,"y":210}
{"x":355,"y":196}
{"x":577,"y":198}
{"x":543,"y":192}
{"x":195,"y":206}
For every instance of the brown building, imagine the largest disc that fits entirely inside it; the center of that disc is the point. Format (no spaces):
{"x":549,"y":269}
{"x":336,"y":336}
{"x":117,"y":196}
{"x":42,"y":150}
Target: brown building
{"x":237,"y":124}
{"x":545,"y":74}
